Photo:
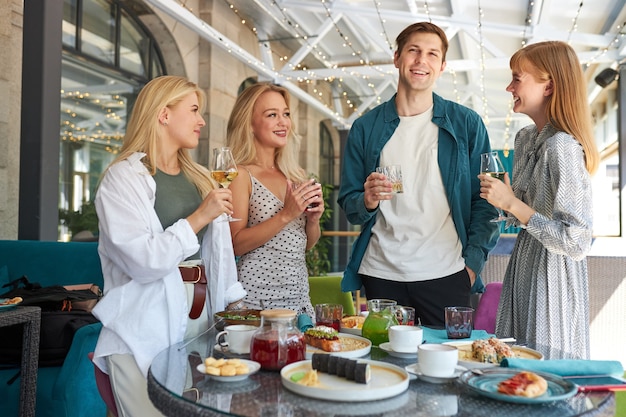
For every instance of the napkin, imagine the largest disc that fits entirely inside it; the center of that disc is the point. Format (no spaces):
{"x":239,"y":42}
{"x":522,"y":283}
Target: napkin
{"x":567,"y":367}
{"x":440,"y":336}
{"x":304,"y":322}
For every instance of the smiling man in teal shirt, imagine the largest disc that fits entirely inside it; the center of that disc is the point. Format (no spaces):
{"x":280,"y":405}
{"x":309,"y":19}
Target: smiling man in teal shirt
{"x":424,"y":248}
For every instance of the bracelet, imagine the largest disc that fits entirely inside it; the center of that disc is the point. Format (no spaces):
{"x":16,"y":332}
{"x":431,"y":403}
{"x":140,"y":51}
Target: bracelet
{"x":239,"y":305}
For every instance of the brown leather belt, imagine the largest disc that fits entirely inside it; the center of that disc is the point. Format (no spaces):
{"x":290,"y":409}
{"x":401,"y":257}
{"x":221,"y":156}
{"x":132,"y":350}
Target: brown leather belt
{"x":196,"y":275}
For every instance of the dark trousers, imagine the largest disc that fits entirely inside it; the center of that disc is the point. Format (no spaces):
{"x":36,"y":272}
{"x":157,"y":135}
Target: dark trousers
{"x":429,"y":298}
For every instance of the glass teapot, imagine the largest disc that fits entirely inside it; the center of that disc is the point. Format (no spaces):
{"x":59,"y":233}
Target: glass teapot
{"x":382,"y":315}
{"x":278,"y":342}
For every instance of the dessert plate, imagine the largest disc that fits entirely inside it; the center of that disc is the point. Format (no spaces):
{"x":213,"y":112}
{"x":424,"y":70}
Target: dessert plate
{"x":253,"y":367}
{"x":486,"y":383}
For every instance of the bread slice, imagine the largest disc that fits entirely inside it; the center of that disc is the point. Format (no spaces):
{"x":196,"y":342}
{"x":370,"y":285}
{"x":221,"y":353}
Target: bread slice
{"x":323,"y":337}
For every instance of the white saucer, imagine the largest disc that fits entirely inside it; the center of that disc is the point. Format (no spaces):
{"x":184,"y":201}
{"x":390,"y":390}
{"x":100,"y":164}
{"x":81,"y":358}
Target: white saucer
{"x":414,"y":369}
{"x":403,"y":355}
{"x":226,"y":352}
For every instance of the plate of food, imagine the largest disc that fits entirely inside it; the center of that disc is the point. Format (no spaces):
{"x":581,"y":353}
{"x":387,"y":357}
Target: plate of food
{"x":228,"y":370}
{"x":9,"y":303}
{"x":323,"y":339}
{"x":336,"y":378}
{"x":246,"y":316}
{"x":515,"y":386}
{"x":352,"y":325}
{"x":487,"y":353}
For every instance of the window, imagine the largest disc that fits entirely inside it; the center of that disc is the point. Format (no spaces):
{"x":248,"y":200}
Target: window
{"x":108,"y":56}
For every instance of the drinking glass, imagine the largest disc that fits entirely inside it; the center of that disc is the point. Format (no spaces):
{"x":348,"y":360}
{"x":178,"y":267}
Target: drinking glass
{"x":459,"y":322}
{"x":328,"y":315}
{"x":491,"y":165}
{"x":224,"y":170}
{"x":394,"y":175}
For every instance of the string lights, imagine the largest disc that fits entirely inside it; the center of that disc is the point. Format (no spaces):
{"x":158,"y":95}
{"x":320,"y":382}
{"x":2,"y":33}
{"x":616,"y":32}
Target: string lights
{"x":614,"y":42}
{"x":574,"y":23}
{"x":382,"y":24}
{"x":107,"y":131}
{"x":482,"y":66}
{"x":427,"y":11}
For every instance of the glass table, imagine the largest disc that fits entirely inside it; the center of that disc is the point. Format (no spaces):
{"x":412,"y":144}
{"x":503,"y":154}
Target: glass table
{"x":177,"y":388}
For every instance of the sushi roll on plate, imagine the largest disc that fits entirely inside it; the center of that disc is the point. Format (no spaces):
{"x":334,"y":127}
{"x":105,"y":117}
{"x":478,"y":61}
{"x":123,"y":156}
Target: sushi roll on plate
{"x":363,"y":380}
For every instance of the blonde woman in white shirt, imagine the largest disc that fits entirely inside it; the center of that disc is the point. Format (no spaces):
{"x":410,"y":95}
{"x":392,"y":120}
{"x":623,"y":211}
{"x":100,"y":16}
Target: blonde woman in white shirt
{"x":157,"y":208}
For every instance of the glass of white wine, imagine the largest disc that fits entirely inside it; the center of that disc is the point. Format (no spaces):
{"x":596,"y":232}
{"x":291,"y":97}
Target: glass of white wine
{"x":224,"y":170}
{"x":491,"y":165}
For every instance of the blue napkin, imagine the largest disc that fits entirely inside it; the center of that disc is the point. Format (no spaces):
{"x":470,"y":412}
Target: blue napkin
{"x":567,"y":367}
{"x":440,"y":336}
{"x":304,"y":322}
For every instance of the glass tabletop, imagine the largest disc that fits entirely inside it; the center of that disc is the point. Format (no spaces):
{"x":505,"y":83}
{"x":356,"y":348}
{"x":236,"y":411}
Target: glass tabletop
{"x":178,"y":389}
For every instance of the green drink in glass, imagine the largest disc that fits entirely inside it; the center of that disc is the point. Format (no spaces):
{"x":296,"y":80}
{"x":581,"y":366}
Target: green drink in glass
{"x":381,"y":316}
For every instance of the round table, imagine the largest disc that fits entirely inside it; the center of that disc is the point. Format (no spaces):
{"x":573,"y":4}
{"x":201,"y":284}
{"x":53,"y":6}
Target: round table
{"x":177,"y":388}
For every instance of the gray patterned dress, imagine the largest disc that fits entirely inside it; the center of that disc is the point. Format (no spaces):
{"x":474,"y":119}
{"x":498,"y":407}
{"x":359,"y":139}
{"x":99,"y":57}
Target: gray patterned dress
{"x":545,"y":293}
{"x":275,"y":273}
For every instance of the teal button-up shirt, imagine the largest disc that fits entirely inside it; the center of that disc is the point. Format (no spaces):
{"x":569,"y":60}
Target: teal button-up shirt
{"x":462,"y":138}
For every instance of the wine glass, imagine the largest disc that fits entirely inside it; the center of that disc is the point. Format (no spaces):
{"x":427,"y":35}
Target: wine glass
{"x":224,"y":170}
{"x":491,"y":165}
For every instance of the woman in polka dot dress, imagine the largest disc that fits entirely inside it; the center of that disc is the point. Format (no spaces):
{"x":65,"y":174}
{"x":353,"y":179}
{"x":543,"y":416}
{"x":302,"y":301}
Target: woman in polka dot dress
{"x":282,"y":206}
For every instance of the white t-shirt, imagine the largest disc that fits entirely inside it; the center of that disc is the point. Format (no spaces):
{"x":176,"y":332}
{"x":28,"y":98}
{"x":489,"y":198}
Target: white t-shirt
{"x":414,"y":238}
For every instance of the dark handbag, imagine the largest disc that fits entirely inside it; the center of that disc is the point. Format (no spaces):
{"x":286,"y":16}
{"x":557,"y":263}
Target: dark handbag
{"x":51,"y":298}
{"x":61,"y":317}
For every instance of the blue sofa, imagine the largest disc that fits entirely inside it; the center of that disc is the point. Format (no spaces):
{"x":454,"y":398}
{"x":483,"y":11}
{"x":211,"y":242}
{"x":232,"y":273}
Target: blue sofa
{"x":69,"y":390}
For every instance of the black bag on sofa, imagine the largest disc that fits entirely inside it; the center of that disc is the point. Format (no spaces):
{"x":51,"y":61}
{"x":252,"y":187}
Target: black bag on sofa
{"x":59,"y":321}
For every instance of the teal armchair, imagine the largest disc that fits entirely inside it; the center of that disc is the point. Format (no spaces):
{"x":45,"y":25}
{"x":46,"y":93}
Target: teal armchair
{"x":68,"y":390}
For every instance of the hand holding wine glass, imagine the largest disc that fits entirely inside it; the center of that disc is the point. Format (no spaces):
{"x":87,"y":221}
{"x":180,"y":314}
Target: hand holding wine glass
{"x":491,"y":165}
{"x":224,"y":170}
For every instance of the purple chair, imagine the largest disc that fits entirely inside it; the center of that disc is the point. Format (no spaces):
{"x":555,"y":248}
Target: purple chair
{"x":104,"y":388}
{"x":487,"y":309}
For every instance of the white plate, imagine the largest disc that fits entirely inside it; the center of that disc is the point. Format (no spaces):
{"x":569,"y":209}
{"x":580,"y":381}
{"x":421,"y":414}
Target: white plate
{"x":350,"y":330}
{"x":252,"y":366}
{"x":4,"y":306}
{"x":520,"y":351}
{"x":387,"y":381}
{"x":357,"y":353}
{"x":402,"y":355}
{"x":414,"y":369}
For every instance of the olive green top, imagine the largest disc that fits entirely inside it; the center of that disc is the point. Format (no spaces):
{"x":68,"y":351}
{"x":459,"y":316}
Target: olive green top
{"x":176,"y":198}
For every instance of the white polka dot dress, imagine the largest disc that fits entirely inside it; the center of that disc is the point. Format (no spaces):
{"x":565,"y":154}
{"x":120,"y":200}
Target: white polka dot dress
{"x":275,"y":274}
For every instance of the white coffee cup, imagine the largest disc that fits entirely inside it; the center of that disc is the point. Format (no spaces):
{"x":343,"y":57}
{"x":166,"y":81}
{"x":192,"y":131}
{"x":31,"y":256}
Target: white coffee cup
{"x":236,"y":337}
{"x":437,"y":360}
{"x":404,"y":338}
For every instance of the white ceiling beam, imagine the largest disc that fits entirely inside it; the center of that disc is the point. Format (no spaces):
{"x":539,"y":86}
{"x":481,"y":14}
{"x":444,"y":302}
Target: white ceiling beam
{"x":459,"y":65}
{"x":210,"y":34}
{"x":310,"y":43}
{"x":468,"y":24}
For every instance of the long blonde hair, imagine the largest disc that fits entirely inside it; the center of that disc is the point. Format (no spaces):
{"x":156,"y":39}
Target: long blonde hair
{"x":567,"y":108}
{"x":240,"y":139}
{"x":144,"y":132}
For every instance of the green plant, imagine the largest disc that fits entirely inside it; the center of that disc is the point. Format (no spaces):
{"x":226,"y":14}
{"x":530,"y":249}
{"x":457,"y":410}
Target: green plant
{"x":83,"y":219}
{"x":317,"y":261}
